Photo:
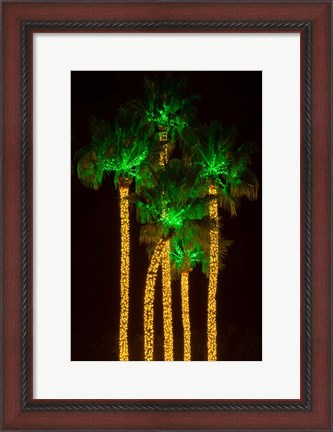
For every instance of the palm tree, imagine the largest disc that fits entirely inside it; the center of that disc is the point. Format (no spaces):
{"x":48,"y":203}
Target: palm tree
{"x":185,"y":255}
{"x":225,"y":168}
{"x":188,"y":249}
{"x":164,"y":113}
{"x":165,"y":209}
{"x":121,"y":151}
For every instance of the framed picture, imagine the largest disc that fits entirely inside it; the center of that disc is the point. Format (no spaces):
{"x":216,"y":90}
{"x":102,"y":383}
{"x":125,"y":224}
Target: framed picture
{"x":166,"y":186}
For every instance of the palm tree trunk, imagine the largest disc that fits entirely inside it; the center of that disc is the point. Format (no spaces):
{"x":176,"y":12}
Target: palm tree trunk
{"x":186,"y":315}
{"x":149,"y":301}
{"x":213,"y":274}
{"x":167,"y":302}
{"x":163,"y":160}
{"x":124,"y":271}
{"x":166,"y":270}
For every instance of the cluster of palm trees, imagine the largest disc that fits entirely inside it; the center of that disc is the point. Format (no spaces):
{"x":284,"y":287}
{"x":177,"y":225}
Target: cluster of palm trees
{"x":176,"y":199}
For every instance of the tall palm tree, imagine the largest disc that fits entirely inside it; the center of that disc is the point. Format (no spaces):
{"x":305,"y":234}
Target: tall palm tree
{"x":226,"y":169}
{"x":121,"y":151}
{"x":169,"y":113}
{"x":165,"y":208}
{"x":165,"y":113}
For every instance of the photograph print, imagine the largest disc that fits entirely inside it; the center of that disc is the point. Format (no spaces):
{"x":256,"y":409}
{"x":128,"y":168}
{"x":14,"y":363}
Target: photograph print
{"x":166,"y":216}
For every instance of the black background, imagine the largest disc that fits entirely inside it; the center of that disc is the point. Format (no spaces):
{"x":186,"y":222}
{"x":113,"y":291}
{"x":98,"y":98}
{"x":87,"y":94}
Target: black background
{"x":233,"y":98}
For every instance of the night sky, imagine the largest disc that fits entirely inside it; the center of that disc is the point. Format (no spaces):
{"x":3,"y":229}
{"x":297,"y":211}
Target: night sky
{"x":233,"y":98}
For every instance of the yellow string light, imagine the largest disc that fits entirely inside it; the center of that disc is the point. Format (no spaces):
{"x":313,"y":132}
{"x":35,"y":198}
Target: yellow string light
{"x":167,"y":303}
{"x":164,"y":155}
{"x":213,"y":273}
{"x":124,"y":272}
{"x":149,"y":301}
{"x":186,"y":315}
{"x":166,"y":271}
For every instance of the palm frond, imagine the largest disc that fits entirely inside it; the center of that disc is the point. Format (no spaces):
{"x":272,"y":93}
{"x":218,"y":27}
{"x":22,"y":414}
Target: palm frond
{"x":224,"y":164}
{"x":151,"y":233}
{"x":90,"y":167}
{"x":100,"y":132}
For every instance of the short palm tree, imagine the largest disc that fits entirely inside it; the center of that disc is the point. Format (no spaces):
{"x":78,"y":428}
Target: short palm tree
{"x":165,"y":208}
{"x":189,"y":248}
{"x":226,"y":169}
{"x":185,"y":254}
{"x":121,"y":151}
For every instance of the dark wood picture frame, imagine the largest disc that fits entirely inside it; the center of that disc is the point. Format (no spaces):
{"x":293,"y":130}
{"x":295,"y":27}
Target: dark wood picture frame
{"x":312,"y":20}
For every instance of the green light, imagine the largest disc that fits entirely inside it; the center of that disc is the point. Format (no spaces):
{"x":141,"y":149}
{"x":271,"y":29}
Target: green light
{"x":185,"y":255}
{"x":167,"y":117}
{"x":172,"y":218}
{"x":165,"y":106}
{"x":175,"y":197}
{"x":113,"y":149}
